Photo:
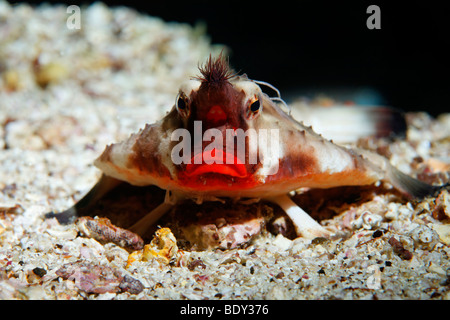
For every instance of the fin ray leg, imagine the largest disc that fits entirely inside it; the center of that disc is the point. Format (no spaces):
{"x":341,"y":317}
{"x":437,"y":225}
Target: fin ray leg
{"x":305,"y":226}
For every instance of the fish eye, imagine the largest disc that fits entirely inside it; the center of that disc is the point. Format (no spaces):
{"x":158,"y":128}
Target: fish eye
{"x":254,"y":107}
{"x":182,"y":104}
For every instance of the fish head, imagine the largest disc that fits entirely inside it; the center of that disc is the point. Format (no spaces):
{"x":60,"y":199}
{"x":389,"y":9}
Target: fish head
{"x":222,"y":114}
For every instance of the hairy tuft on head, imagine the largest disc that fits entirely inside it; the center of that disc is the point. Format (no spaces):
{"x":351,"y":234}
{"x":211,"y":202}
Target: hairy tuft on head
{"x":215,"y":71}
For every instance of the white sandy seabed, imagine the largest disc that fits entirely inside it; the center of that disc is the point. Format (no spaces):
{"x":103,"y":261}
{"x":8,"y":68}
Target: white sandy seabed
{"x":65,"y":94}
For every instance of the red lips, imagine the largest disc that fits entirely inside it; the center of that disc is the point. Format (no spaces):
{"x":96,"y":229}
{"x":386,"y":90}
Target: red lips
{"x":235,"y":169}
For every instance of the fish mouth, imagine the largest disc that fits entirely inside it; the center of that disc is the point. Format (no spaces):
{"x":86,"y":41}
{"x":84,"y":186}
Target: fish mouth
{"x":207,"y":165}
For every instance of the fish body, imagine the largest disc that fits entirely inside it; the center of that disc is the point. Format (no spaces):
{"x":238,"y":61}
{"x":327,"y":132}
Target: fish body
{"x":224,"y":137}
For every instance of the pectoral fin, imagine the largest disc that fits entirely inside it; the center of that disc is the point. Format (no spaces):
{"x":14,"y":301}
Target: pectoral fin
{"x":150,"y":219}
{"x":103,"y":186}
{"x":305,"y":226}
{"x":408,"y":185}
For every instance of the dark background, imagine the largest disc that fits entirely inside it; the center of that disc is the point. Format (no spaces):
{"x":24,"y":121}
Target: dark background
{"x":325,"y":47}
